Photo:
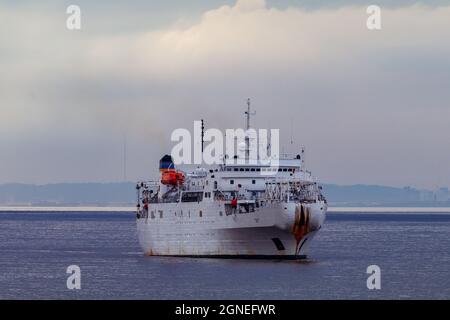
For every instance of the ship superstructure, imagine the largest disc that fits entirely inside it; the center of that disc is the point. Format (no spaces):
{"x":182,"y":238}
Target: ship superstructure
{"x":253,"y":210}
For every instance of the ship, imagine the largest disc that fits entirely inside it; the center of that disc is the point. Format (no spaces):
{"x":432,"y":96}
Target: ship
{"x":234,"y":209}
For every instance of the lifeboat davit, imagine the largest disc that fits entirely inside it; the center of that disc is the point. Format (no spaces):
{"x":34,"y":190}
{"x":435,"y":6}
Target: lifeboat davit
{"x":172,"y":178}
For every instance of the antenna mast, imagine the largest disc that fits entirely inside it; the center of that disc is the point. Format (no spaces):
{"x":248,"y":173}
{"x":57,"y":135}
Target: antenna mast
{"x":247,"y":138}
{"x":248,"y":113}
{"x":203,"y":134}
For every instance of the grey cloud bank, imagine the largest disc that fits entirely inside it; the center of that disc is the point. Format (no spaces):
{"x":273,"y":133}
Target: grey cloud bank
{"x":370,"y":107}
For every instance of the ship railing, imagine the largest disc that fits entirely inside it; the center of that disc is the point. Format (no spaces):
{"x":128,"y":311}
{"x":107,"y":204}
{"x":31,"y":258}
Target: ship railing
{"x":289,"y":181}
{"x":243,"y":206}
{"x":164,"y":200}
{"x":220,"y":196}
{"x":291,"y":190}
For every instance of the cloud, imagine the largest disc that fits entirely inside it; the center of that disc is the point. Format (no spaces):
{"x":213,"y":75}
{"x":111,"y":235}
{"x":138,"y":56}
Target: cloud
{"x":250,"y":35}
{"x":352,"y":95}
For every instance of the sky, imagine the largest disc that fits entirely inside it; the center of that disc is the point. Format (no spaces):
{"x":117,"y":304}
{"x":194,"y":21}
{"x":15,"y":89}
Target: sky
{"x":370,"y":107}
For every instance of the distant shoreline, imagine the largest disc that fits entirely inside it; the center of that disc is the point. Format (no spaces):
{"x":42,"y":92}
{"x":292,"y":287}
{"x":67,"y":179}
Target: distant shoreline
{"x":124,"y":195}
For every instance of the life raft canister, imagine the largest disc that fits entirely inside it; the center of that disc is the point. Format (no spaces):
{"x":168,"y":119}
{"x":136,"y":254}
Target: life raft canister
{"x":172,"y":178}
{"x":169,"y":174}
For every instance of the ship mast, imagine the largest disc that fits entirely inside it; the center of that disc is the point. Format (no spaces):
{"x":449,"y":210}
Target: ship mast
{"x":203,"y":135}
{"x":247,"y":138}
{"x":248,"y":113}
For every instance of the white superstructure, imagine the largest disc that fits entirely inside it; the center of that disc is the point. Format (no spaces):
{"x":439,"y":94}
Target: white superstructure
{"x":231,"y":210}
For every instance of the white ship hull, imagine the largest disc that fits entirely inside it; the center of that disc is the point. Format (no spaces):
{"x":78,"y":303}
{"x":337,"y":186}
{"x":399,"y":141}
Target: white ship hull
{"x":277,"y":230}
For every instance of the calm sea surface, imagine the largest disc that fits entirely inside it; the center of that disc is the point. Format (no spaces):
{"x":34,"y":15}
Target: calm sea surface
{"x":412,"y":250}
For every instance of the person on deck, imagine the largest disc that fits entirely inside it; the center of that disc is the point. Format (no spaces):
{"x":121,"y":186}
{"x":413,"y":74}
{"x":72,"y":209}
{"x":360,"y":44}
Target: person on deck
{"x":234,"y":204}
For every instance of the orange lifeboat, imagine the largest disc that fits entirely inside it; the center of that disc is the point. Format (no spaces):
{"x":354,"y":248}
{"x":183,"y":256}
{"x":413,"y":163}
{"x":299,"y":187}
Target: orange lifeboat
{"x":172,"y":178}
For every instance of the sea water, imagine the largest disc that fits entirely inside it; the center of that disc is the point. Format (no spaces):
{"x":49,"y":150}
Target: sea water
{"x":412,"y":250}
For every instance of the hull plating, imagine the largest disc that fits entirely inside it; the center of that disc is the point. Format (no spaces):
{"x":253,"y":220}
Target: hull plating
{"x":280,"y":230}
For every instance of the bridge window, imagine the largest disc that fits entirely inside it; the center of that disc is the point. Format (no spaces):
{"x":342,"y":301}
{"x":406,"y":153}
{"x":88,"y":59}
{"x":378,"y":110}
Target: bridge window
{"x":192,"y":197}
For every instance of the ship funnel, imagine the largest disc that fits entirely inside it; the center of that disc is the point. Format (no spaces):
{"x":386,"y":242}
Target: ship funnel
{"x":166,"y":164}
